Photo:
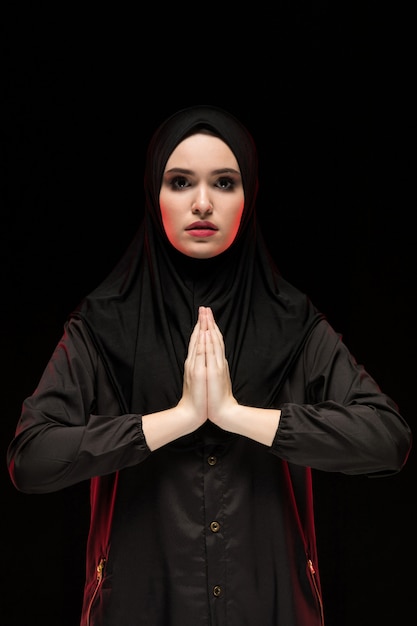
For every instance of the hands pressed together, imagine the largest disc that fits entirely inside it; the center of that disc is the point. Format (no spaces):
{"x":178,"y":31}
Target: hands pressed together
{"x":207,"y":390}
{"x":207,"y":395}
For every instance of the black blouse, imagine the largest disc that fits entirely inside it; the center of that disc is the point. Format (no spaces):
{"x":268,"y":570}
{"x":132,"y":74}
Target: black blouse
{"x":214,"y":529}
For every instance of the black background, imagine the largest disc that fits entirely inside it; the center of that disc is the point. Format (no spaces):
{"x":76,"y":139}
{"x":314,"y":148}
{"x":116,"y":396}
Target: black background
{"x":327,"y":93}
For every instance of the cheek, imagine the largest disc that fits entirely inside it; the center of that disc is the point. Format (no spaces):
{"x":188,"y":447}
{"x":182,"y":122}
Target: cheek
{"x":167,"y":213}
{"x":235,"y":219}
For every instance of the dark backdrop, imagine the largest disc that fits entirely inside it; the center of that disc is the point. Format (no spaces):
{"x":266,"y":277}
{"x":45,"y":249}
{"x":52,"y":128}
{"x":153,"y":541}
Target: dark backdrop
{"x":326,"y":92}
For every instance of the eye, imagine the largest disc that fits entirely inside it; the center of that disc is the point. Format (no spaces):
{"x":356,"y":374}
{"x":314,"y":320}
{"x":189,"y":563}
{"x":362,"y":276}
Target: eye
{"x":179,"y":182}
{"x":226,"y":183}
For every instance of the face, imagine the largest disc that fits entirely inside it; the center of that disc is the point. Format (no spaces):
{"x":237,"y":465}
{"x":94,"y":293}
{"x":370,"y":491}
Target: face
{"x":201,"y":197}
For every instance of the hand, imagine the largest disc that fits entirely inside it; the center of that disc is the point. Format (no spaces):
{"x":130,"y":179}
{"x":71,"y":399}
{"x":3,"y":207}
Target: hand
{"x":220,"y":399}
{"x":194,"y":394}
{"x":222,"y":408}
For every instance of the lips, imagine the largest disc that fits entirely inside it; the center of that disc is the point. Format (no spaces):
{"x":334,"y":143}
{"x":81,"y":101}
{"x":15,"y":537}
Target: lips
{"x":202,"y":225}
{"x":202,"y":229}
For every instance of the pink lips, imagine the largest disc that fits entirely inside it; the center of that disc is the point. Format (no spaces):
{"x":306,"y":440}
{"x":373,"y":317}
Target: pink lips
{"x":202,"y":229}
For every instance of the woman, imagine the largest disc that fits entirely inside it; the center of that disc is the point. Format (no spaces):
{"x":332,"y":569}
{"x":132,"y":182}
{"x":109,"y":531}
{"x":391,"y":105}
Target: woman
{"x":196,"y":389}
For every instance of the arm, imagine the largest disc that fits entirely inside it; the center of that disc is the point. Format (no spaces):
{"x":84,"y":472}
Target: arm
{"x":334,"y":416}
{"x":337,"y":420}
{"x":66,"y":434}
{"x":71,"y":429}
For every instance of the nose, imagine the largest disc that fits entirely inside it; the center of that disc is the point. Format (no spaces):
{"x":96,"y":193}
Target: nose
{"x":202,"y":203}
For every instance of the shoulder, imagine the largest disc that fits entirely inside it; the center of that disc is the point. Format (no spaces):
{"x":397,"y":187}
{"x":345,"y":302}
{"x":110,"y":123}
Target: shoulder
{"x":323,"y":331}
{"x":75,"y":342}
{"x":324,"y":344}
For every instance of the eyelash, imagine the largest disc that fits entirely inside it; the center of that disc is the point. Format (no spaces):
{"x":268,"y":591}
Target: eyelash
{"x":224,"y":182}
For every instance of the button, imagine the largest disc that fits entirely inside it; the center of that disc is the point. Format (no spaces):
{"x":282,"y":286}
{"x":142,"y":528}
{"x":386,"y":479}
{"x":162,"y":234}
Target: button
{"x":217,"y":591}
{"x":215,"y":527}
{"x":212,"y":460}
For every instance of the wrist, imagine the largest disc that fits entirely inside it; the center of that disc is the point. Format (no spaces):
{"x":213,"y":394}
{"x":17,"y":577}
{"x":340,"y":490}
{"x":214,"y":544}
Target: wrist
{"x":255,"y":423}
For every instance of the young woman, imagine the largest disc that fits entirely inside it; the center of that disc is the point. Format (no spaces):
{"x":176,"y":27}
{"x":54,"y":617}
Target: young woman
{"x":196,"y":388}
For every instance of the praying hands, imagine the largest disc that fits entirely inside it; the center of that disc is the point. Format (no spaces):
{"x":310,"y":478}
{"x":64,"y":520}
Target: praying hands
{"x":208,"y":395}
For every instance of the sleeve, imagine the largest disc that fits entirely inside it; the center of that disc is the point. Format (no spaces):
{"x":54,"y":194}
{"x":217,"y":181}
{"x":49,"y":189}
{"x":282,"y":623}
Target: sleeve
{"x":338,"y":419}
{"x":61,"y":439}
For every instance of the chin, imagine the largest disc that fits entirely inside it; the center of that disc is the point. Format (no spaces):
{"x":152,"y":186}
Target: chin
{"x":202,"y":251}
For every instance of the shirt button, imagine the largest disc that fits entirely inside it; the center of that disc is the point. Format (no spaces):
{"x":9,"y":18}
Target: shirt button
{"x":215,"y":527}
{"x":217,"y":591}
{"x":212,"y":460}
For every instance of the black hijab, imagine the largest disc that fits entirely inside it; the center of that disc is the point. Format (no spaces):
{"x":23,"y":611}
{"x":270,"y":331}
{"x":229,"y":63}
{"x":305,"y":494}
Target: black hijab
{"x":141,"y":317}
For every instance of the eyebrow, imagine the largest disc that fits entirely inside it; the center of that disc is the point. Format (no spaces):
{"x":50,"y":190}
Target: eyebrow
{"x":224,"y":170}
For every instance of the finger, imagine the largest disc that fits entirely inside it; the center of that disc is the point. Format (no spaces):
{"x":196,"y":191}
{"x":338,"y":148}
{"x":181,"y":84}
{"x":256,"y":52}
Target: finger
{"x":202,"y":317}
{"x":217,"y":330}
{"x":209,"y":347}
{"x":216,"y":339}
{"x":192,"y":345}
{"x":200,"y":350}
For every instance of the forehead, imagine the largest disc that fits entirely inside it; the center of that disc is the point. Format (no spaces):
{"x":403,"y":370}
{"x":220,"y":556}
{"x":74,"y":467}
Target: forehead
{"x":202,"y":149}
